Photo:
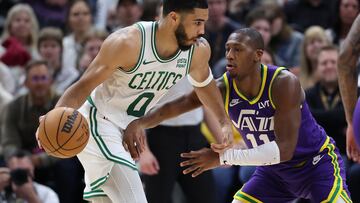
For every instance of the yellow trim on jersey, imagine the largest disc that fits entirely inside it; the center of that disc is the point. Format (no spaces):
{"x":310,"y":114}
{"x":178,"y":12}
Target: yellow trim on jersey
{"x":227,"y":94}
{"x":345,"y":196}
{"x":338,"y":182}
{"x":271,"y":82}
{"x":325,"y":144}
{"x":264,"y":69}
{"x":242,"y":196}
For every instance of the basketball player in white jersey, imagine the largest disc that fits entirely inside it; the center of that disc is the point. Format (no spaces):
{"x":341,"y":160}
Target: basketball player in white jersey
{"x":134,"y":68}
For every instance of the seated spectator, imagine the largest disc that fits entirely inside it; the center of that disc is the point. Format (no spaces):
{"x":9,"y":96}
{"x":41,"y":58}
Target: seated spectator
{"x":17,"y":184}
{"x":50,"y":48}
{"x":314,"y":39}
{"x":21,"y":116}
{"x":301,"y":14}
{"x":18,"y":42}
{"x":347,"y":12}
{"x":258,"y":20}
{"x":285,"y":42}
{"x":50,"y":12}
{"x":79,"y":22}
{"x":218,"y":28}
{"x":91,"y":47}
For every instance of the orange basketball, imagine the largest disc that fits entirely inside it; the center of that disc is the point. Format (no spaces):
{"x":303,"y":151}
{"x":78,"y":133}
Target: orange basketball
{"x":63,"y":132}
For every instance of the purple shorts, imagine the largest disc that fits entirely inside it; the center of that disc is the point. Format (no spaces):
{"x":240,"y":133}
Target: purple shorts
{"x":319,"y":179}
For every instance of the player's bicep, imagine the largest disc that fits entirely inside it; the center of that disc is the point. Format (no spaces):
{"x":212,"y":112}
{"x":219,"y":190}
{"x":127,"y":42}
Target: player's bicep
{"x":287,"y":96}
{"x":199,"y":69}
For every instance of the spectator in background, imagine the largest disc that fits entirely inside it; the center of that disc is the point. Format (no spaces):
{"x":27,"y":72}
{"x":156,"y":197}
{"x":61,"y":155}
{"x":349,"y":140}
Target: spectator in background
{"x":21,"y":117}
{"x":51,"y":48}
{"x":6,"y":80}
{"x":239,"y":9}
{"x":50,"y":13}
{"x":258,"y":20}
{"x":21,"y":26}
{"x":347,"y":12}
{"x":19,"y":176}
{"x":285,"y":42}
{"x":79,"y":23}
{"x":126,"y":13}
{"x":324,"y":97}
{"x":302,"y":14}
{"x":325,"y":104}
{"x":91,"y":47}
{"x":218,"y":28}
{"x":19,"y":42}
{"x":314,"y":39}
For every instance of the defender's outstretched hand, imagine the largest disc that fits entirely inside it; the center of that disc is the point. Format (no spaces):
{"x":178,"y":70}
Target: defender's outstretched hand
{"x":134,"y":139}
{"x":200,"y":161}
{"x":352,"y":150}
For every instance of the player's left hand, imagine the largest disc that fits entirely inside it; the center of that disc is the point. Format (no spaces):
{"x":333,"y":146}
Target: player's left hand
{"x":200,"y":161}
{"x":134,"y":139}
{"x":352,"y":149}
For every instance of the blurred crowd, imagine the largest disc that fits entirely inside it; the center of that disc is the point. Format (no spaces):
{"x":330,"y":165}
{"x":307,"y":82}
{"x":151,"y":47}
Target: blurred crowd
{"x":46,"y":45}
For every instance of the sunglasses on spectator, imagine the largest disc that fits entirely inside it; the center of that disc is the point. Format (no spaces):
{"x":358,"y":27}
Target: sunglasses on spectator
{"x":40,"y":78}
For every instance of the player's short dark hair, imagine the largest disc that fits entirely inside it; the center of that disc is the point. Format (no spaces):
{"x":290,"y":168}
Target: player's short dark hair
{"x":182,"y":5}
{"x":256,"y":41}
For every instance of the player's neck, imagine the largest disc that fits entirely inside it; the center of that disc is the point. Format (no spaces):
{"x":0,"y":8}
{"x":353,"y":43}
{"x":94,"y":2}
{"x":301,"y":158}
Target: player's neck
{"x":250,"y":84}
{"x":165,"y":40}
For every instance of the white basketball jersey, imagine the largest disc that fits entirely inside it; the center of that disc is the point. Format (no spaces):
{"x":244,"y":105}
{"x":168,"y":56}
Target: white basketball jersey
{"x":126,"y":96}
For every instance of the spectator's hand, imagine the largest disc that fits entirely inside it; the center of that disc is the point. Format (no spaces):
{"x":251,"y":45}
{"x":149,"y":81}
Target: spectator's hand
{"x":352,"y":150}
{"x":200,"y":161}
{"x":148,"y":163}
{"x":37,"y":132}
{"x":26,"y":191}
{"x":134,"y":139}
{"x":4,"y":178}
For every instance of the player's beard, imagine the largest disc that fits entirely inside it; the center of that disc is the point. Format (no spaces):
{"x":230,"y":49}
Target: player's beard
{"x":182,"y":38}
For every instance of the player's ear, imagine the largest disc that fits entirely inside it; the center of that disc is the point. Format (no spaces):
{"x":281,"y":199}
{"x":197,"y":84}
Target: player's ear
{"x":258,"y":55}
{"x":174,"y":17}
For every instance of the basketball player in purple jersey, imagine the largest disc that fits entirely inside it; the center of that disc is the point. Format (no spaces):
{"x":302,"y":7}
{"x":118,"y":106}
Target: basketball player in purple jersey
{"x":295,"y":157}
{"x":348,"y":83}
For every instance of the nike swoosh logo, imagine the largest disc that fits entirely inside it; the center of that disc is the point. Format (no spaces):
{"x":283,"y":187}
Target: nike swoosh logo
{"x":317,"y":159}
{"x":234,"y":102}
{"x":147,"y":62}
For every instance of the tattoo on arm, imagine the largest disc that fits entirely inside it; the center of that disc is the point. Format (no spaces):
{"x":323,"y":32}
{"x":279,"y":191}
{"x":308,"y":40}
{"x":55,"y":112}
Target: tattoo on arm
{"x":348,"y":58}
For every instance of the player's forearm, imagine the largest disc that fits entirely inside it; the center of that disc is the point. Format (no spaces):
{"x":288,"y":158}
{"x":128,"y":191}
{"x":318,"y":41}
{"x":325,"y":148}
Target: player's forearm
{"x":266,"y":154}
{"x":349,"y":55}
{"x":73,"y":97}
{"x":211,"y":97}
{"x":170,"y":110}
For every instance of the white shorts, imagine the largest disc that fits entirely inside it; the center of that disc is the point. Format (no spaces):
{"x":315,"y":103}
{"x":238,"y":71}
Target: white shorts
{"x":102,"y":152}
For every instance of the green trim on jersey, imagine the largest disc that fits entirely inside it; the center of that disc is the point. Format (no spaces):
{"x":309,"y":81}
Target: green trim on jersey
{"x":102,"y":145}
{"x":264,"y":69}
{"x":153,"y":46}
{"x":94,"y":193}
{"x":142,"y":50}
{"x":191,"y":52}
{"x":271,"y":82}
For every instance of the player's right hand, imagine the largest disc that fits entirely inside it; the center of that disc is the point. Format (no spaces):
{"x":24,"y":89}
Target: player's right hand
{"x":134,"y":139}
{"x":227,"y":142}
{"x":352,"y":150}
{"x":37,"y":132}
{"x":148,"y":163}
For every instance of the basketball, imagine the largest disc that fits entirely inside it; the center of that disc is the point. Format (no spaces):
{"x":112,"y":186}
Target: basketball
{"x":63,"y":132}
{"x":356,"y":122}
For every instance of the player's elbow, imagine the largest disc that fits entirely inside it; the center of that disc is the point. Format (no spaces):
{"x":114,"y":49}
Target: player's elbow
{"x":286,"y":152}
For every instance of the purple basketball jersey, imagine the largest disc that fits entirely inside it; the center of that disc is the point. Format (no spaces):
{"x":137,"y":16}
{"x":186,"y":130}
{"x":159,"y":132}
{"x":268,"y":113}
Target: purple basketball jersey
{"x":254,"y":118}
